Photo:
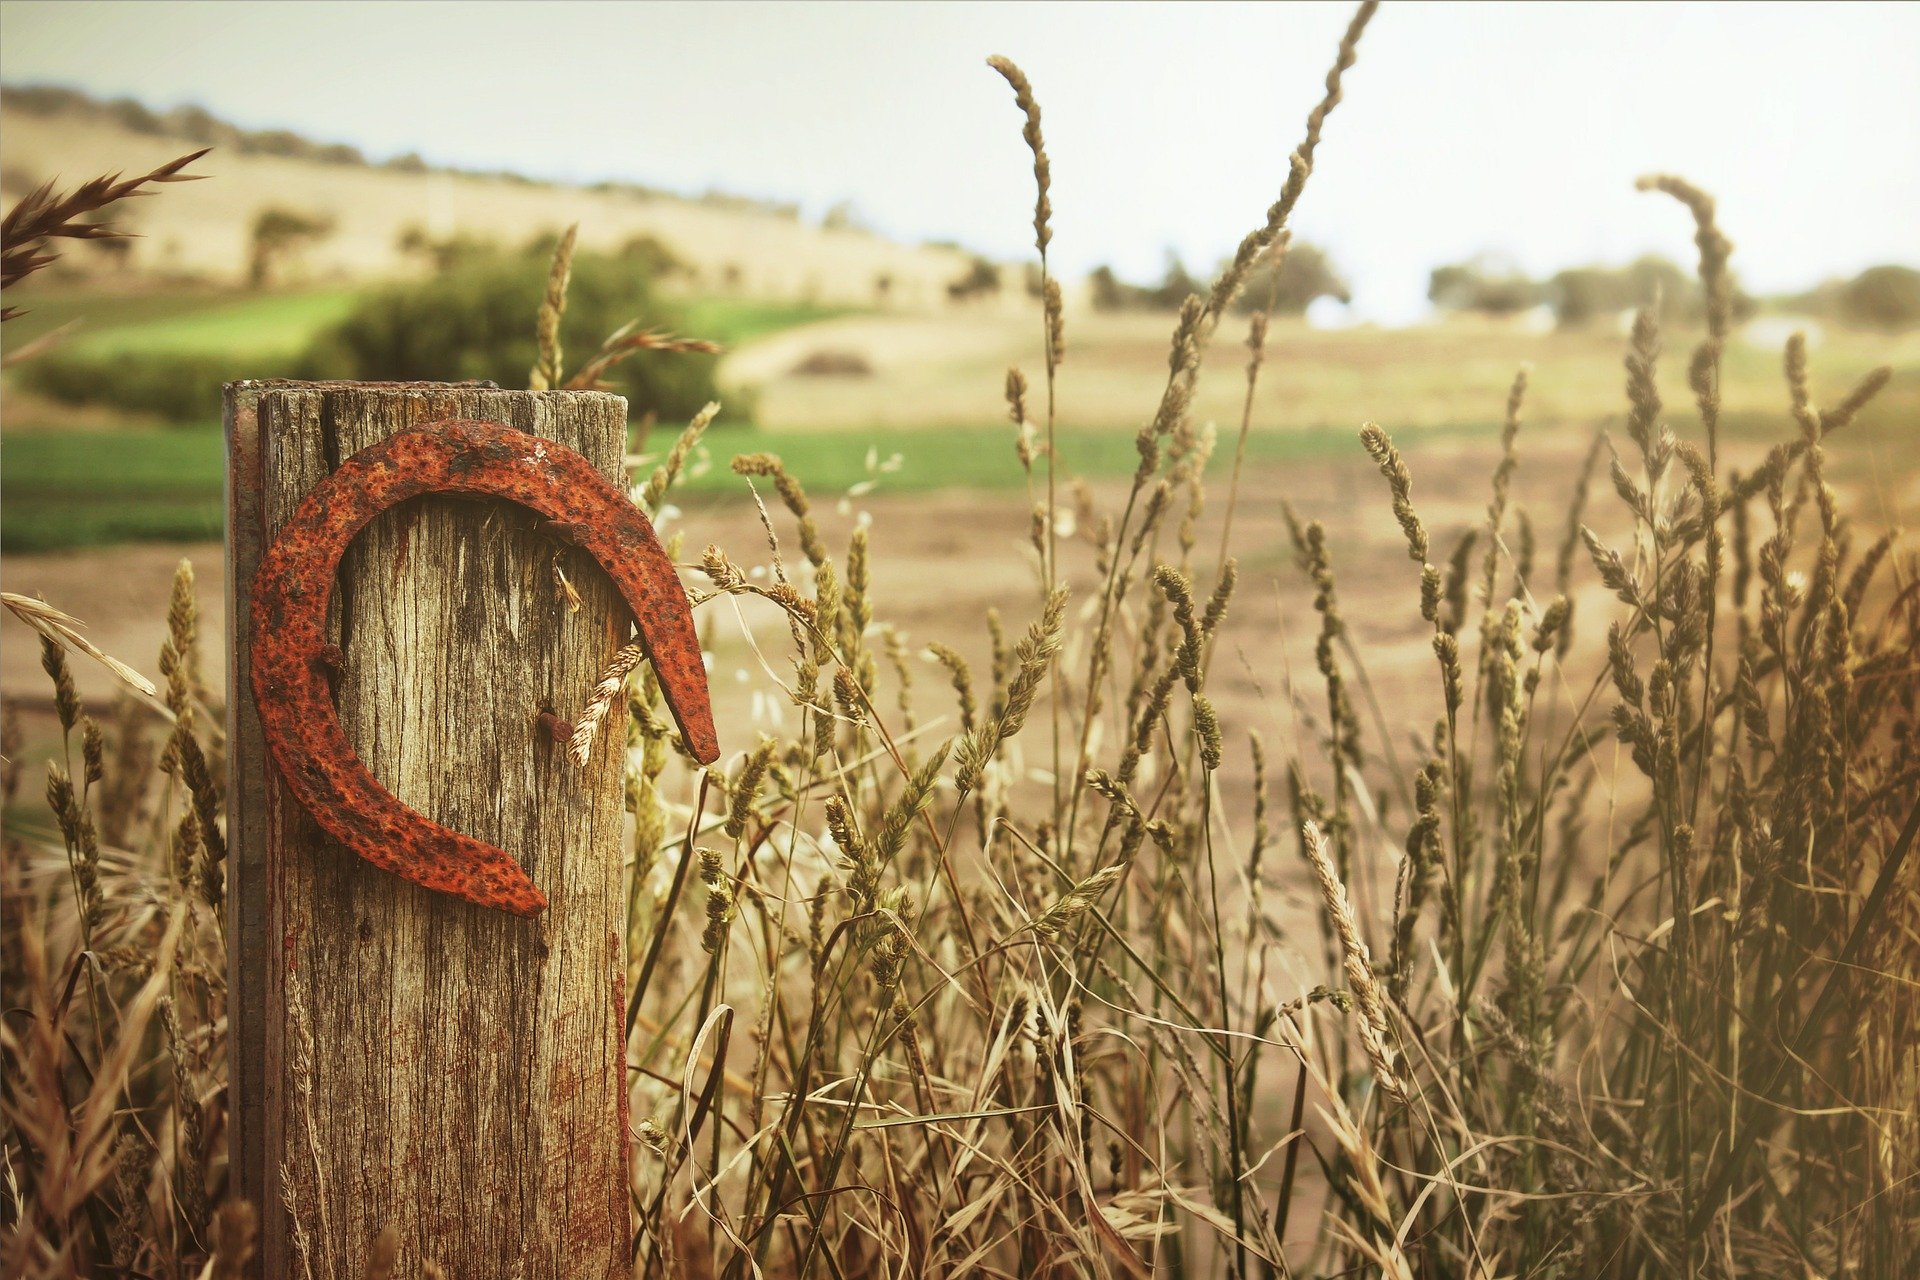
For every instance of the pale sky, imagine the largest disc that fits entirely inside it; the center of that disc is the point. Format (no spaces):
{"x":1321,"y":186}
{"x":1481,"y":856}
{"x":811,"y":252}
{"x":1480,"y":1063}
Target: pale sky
{"x":1467,"y":127}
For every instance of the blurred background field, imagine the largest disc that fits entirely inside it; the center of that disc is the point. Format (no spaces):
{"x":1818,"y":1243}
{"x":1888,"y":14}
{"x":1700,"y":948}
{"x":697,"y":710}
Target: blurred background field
{"x":842,"y":348}
{"x":872,"y":366}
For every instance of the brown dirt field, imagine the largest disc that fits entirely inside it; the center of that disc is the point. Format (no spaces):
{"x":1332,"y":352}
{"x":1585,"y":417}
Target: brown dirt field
{"x":940,"y":561}
{"x":947,"y":369}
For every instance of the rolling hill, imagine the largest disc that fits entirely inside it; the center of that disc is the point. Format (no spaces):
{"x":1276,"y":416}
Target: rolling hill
{"x":203,"y":230}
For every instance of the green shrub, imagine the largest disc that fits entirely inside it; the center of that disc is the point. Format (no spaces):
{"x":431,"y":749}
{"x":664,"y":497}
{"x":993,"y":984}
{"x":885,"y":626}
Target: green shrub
{"x":1303,"y":275}
{"x":1583,"y":295}
{"x":1483,"y":284}
{"x":477,"y":321}
{"x":178,"y":387}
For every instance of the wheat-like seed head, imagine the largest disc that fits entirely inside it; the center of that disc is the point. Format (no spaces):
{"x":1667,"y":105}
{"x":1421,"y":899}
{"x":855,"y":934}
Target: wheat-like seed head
{"x":670,"y":467}
{"x":1361,"y":979}
{"x":605,"y":692}
{"x":1042,"y":168}
{"x":45,"y":215}
{"x":546,"y":372}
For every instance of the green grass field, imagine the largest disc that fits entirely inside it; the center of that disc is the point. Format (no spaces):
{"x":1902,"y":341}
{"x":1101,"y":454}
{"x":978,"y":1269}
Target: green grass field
{"x":734,"y":321}
{"x":198,"y":322}
{"x":193,"y":323}
{"x":61,"y":489}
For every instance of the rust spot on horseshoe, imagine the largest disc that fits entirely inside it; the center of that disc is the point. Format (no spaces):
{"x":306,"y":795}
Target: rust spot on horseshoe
{"x":294,"y":582}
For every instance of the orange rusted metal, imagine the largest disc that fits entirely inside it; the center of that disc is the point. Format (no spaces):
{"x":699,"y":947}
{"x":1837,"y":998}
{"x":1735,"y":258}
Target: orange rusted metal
{"x":292,"y":659}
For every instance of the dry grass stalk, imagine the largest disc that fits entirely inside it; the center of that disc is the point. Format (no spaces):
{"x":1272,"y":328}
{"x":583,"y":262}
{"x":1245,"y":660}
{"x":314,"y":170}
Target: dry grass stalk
{"x":65,"y":631}
{"x":612,"y":681}
{"x":553,"y":305}
{"x":1362,"y":981}
{"x":44,"y":214}
{"x":630,"y":340}
{"x":670,"y":467}
{"x":1257,"y":242}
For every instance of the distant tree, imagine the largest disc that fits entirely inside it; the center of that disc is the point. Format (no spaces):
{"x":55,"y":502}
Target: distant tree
{"x":446,"y":254}
{"x":338,"y":153}
{"x":198,"y":124}
{"x":132,"y":116}
{"x":280,"y":234}
{"x":654,"y":255}
{"x":844,"y":216}
{"x":1304,"y":273}
{"x":982,"y":278}
{"x":1176,"y":285}
{"x":1582,"y":295}
{"x":47,"y":100}
{"x":1483,"y":284}
{"x":274,"y":142}
{"x":882,"y":289}
{"x":1884,"y":297}
{"x":1110,"y":292}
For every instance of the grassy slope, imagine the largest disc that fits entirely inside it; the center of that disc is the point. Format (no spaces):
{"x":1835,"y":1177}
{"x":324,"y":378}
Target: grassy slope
{"x":191,"y":323}
{"x":60,"y":488}
{"x":203,"y":228}
{"x":733,"y":322}
{"x":281,"y":322}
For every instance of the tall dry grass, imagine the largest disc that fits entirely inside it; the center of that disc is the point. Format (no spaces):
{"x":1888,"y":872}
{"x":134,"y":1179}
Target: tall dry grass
{"x":988,"y":978}
{"x":113,"y":976}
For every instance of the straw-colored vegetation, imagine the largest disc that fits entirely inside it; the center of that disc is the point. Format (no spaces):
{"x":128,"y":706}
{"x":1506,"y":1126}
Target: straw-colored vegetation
{"x":368,"y":217}
{"x":987,"y":976}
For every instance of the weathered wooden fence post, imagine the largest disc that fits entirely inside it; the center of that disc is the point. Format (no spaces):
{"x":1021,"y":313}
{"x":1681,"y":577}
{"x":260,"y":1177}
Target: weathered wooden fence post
{"x":402,"y":1058}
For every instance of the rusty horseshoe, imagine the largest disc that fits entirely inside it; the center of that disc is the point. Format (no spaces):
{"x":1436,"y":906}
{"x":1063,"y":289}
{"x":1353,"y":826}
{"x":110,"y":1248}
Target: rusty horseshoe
{"x":291,"y":655}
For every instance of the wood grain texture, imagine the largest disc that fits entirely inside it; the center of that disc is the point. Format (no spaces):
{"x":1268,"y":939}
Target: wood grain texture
{"x":415,"y":1060}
